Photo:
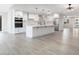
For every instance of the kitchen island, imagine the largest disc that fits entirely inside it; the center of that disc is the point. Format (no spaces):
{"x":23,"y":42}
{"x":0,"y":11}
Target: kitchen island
{"x":38,"y":30}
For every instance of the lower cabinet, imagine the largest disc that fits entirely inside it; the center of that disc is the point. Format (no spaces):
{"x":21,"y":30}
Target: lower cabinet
{"x":39,"y":31}
{"x":19,"y":30}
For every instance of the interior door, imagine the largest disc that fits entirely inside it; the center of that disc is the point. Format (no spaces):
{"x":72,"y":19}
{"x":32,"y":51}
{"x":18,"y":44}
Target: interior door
{"x":0,"y":23}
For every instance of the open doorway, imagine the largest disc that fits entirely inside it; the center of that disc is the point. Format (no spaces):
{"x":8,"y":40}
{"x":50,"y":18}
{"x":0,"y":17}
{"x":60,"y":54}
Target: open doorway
{"x":66,"y":23}
{"x":0,"y":23}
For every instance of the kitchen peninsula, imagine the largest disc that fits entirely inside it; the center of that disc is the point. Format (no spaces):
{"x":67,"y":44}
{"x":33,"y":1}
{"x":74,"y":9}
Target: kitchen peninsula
{"x":38,"y":30}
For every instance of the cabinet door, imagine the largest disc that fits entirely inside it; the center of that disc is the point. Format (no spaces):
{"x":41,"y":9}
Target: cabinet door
{"x":16,"y":30}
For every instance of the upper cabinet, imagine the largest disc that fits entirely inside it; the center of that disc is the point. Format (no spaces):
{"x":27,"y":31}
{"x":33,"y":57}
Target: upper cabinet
{"x":76,"y":23}
{"x":18,"y":14}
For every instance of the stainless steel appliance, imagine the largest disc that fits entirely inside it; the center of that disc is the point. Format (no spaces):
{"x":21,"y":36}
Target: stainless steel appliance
{"x":18,"y":22}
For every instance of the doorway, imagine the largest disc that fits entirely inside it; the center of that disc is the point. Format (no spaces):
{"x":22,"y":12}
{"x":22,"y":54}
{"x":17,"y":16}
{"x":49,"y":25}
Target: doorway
{"x":0,"y":23}
{"x":66,"y":23}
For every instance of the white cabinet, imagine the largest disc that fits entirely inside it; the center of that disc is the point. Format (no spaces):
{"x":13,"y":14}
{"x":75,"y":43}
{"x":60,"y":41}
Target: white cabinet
{"x":76,"y":23}
{"x":35,"y":31}
{"x":18,"y":13}
{"x":11,"y":21}
{"x":19,"y":30}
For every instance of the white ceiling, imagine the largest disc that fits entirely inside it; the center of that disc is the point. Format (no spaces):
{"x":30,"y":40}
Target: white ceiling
{"x":53,"y":8}
{"x":5,"y":7}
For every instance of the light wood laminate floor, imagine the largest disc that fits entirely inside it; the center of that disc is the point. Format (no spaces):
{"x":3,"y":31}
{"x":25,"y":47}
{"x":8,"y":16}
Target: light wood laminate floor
{"x":59,"y":43}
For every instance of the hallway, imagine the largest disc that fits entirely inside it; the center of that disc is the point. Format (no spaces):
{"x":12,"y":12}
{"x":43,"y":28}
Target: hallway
{"x":58,"y":43}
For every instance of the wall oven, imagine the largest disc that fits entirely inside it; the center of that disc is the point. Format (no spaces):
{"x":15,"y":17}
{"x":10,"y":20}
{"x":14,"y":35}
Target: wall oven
{"x":18,"y":22}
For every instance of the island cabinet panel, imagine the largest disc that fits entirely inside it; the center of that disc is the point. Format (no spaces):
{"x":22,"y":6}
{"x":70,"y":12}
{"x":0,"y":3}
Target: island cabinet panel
{"x":35,"y":31}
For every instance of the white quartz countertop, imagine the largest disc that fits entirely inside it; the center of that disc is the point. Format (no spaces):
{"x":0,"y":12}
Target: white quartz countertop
{"x":39,"y":25}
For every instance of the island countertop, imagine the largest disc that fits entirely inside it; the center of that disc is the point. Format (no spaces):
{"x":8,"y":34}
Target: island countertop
{"x":39,"y":25}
